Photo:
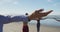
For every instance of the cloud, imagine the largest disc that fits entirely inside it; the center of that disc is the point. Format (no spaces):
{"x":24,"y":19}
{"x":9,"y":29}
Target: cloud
{"x":49,"y":0}
{"x":16,"y":2}
{"x":56,"y":4}
{"x":3,"y":2}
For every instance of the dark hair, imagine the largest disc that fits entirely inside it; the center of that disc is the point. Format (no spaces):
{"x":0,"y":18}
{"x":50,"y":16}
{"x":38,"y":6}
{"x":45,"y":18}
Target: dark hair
{"x":26,"y":14}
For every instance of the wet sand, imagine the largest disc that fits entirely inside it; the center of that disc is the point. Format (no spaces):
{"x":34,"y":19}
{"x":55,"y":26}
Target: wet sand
{"x":17,"y":27}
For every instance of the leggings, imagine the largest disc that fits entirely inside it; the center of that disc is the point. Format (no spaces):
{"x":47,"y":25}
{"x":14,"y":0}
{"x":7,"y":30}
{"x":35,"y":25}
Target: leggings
{"x":25,"y":28}
{"x":38,"y":26}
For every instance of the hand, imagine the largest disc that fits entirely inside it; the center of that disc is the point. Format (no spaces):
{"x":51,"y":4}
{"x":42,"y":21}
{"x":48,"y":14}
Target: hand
{"x":38,"y":14}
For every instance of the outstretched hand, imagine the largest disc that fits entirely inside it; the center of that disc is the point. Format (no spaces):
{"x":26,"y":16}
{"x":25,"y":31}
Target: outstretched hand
{"x":37,"y":14}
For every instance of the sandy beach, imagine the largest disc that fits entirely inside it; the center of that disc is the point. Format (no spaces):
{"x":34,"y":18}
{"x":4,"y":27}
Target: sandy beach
{"x":17,"y":27}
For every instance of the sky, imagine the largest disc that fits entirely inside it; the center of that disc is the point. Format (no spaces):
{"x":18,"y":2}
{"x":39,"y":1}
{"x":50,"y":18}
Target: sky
{"x":18,"y":7}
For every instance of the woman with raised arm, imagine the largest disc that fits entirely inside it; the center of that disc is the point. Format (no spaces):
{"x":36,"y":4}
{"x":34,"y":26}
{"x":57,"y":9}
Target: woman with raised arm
{"x":25,"y":25}
{"x":39,"y":16}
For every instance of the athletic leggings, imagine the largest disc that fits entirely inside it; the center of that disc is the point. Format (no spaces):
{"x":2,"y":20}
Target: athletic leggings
{"x":25,"y":28}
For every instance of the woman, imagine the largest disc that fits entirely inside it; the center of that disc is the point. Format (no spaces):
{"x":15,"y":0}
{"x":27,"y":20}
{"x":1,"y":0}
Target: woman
{"x":25,"y":25}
